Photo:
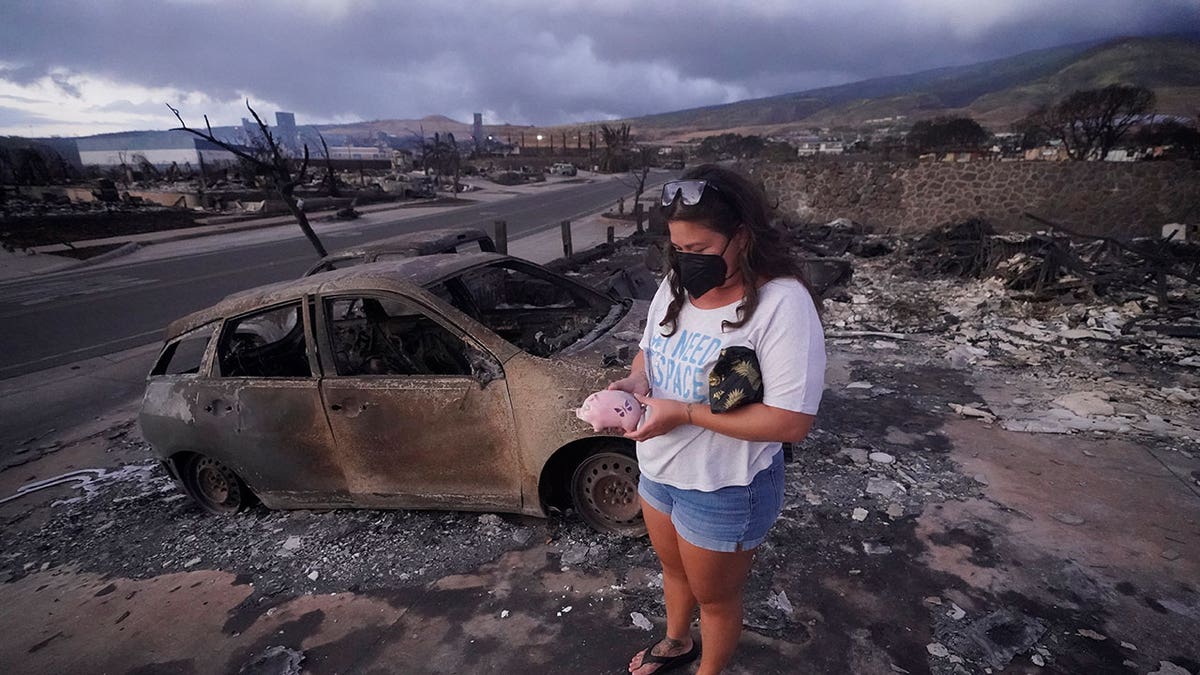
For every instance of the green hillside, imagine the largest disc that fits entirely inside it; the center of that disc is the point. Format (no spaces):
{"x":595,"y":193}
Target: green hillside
{"x":1168,"y":66}
{"x":997,"y":92}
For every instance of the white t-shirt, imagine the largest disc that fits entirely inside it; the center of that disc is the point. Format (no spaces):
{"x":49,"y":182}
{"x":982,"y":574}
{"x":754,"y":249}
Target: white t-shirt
{"x":786,"y":335}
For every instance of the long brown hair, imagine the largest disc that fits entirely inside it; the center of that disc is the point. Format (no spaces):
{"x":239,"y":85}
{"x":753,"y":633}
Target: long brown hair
{"x":735,"y":201}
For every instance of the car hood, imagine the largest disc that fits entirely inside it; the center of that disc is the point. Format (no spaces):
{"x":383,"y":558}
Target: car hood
{"x":614,"y":348}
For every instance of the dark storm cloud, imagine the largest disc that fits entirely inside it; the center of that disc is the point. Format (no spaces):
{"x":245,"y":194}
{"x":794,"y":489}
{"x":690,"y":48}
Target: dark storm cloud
{"x":857,"y":39}
{"x":529,"y":62}
{"x":23,"y":74}
{"x":65,"y":85}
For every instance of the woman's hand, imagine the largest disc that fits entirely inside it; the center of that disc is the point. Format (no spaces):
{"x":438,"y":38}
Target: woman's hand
{"x":635,"y":384}
{"x":659,"y":417}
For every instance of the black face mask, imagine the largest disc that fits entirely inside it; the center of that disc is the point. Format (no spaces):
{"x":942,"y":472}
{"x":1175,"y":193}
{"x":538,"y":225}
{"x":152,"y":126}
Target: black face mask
{"x":701,"y":272}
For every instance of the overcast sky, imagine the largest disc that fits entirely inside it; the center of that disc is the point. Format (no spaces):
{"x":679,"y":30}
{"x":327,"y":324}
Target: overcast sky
{"x":90,"y":66}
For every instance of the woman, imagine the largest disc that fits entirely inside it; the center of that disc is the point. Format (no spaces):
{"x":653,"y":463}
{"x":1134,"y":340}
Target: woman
{"x":712,"y":475}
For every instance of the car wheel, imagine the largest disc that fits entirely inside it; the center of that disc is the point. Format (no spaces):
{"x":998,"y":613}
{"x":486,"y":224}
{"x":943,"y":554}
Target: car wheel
{"x":215,"y":486}
{"x":604,"y":492}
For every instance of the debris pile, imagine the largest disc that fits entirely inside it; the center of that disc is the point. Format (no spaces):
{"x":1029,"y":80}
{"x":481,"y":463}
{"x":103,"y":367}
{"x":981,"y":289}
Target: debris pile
{"x":839,"y":237}
{"x":1066,"y":318}
{"x":1069,"y":267}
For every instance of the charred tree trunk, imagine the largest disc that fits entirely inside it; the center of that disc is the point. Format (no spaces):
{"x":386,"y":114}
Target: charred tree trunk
{"x":301,"y":217}
{"x":641,"y":187}
{"x":273,"y":163}
{"x":330,"y":177}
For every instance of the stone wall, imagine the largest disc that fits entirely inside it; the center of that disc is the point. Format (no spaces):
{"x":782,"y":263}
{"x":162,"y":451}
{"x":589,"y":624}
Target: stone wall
{"x":1110,"y":198}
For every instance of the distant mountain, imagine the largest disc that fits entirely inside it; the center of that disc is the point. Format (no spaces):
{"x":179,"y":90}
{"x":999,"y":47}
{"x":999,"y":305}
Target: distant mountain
{"x":996,"y":93}
{"x":429,"y":125}
{"x":1170,"y":67}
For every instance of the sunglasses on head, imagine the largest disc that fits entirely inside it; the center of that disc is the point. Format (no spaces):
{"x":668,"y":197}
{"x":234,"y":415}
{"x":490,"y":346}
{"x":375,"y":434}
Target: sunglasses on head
{"x":690,"y":191}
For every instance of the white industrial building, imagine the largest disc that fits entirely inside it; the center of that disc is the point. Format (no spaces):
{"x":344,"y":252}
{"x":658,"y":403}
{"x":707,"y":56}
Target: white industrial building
{"x":160,"y":148}
{"x":359,"y":152}
{"x":815,"y":146}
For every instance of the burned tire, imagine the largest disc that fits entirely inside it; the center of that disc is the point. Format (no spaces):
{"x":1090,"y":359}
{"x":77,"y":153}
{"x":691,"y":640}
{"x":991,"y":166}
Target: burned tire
{"x":215,"y":487}
{"x":604,"y":492}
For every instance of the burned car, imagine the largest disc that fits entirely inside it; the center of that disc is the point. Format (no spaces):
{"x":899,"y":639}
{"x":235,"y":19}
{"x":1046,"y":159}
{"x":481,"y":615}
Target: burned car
{"x":426,"y":242}
{"x":445,"y":381}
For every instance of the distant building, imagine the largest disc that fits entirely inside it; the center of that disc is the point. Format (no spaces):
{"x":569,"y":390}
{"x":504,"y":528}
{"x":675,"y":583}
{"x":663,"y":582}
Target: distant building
{"x":885,"y":120}
{"x":477,"y":132}
{"x":814,"y":146}
{"x":1124,"y":155}
{"x":959,"y":156}
{"x":360,"y":152}
{"x":285,"y":131}
{"x":160,"y":148}
{"x":65,"y":147}
{"x":402,"y":161}
{"x":1051,"y":152}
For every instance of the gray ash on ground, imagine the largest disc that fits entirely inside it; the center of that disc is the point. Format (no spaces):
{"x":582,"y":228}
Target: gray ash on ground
{"x":844,"y":574}
{"x":141,"y":525}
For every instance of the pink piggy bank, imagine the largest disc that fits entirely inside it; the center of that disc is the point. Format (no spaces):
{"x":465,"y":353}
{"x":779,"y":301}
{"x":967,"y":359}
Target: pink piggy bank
{"x":611,"y":409}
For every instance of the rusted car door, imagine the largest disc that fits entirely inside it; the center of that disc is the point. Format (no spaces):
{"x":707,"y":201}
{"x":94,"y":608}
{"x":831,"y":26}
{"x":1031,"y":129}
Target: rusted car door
{"x":177,"y":392}
{"x":261,"y":409}
{"x":419,"y":410}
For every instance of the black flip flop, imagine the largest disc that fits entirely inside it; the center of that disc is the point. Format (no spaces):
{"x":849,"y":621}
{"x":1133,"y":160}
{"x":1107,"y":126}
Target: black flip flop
{"x":666,"y":663}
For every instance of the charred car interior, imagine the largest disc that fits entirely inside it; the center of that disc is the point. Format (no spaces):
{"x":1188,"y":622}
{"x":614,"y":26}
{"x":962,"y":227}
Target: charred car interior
{"x":266,"y":344}
{"x":386,"y":336}
{"x":535,"y":312}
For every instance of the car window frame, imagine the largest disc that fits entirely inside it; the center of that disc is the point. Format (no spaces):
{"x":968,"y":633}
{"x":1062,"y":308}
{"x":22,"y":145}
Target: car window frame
{"x":310,"y":347}
{"x":206,"y":358}
{"x":435,"y":314}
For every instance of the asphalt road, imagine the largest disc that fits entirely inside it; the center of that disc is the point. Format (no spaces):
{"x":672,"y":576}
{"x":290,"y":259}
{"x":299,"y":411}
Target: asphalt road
{"x":76,"y":346}
{"x":73,"y":316}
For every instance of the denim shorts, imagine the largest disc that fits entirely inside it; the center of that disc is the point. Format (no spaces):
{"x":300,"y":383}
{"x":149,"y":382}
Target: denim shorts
{"x":733,"y":518}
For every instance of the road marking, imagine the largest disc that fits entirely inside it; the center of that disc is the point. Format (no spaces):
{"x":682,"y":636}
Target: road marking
{"x":165,"y":284}
{"x":55,"y":290}
{"x":157,"y":331}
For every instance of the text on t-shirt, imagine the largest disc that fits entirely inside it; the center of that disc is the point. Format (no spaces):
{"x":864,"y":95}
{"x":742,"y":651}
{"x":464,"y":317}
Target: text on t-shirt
{"x":679,"y":363}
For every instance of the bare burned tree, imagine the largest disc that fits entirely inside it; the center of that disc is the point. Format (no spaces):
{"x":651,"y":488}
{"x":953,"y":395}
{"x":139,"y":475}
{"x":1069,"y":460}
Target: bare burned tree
{"x":444,"y":156}
{"x":640,"y":158}
{"x":1091,"y":122}
{"x":1177,"y":139}
{"x":617,"y":145}
{"x":947,"y":134}
{"x":456,"y":159}
{"x":330,"y":176}
{"x":269,"y":161}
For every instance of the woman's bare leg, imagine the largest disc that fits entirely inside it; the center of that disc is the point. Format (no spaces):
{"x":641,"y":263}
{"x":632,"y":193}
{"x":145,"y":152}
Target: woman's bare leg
{"x":677,"y":595}
{"x":717,"y":580}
